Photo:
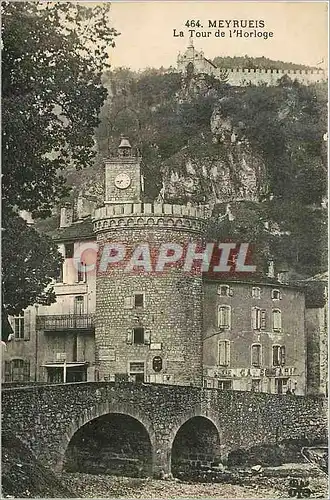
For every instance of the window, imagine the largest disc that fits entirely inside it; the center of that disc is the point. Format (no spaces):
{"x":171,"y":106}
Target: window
{"x":69,"y":250}
{"x":281,"y":385}
{"x":136,"y":371}
{"x":256,"y":318}
{"x":59,"y":278}
{"x":138,"y":336}
{"x":224,"y":317}
{"x":225,"y":291}
{"x":224,"y":353}
{"x":277,"y":320}
{"x":256,"y":355}
{"x":79,"y":305}
{"x":278,"y":355}
{"x":225,"y":385}
{"x":17,"y":370}
{"x":256,"y":385}
{"x":81,"y":273}
{"x":256,"y":292}
{"x":19,"y":327}
{"x":138,"y":300}
{"x":276,"y":295}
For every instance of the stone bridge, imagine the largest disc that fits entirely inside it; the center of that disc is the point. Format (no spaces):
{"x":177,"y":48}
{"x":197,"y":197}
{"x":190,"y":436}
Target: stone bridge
{"x":152,"y":427}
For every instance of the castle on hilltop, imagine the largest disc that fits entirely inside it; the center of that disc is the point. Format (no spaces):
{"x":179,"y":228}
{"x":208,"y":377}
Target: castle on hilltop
{"x":193,"y":61}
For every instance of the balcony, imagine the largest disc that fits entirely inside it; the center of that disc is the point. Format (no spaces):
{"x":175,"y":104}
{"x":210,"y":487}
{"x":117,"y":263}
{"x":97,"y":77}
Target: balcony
{"x":66,"y":323}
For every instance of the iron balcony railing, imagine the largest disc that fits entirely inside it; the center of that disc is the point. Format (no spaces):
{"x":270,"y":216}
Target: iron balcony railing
{"x":65,"y":322}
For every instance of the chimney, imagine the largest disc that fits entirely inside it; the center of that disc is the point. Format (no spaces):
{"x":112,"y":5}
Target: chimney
{"x":27,"y":217}
{"x":271,"y":270}
{"x":85,"y":207}
{"x":66,"y":217}
{"x":283,"y":276}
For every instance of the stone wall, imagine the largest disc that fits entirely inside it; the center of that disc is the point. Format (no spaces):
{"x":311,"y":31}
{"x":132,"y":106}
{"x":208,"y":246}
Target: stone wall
{"x":245,"y":76}
{"x":171,"y":314}
{"x":47,"y":417}
{"x":317,"y":350}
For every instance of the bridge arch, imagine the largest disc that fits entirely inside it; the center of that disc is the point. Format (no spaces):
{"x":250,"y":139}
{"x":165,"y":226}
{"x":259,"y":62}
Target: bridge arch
{"x":118,"y":418}
{"x":196,"y":441}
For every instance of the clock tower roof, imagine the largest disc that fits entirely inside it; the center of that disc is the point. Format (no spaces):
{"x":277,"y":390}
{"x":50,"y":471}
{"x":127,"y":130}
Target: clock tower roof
{"x":124,"y":143}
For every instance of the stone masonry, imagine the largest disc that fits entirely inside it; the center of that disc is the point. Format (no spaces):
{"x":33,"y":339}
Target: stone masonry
{"x":47,"y":417}
{"x":172,"y":312}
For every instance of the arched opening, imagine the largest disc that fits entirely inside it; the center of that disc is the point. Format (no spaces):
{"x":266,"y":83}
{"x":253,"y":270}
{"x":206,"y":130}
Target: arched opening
{"x":114,"y":444}
{"x":196,"y":445}
{"x":190,"y":69}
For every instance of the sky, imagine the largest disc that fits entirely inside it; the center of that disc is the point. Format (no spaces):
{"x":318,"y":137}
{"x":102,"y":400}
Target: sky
{"x":146,"y":40}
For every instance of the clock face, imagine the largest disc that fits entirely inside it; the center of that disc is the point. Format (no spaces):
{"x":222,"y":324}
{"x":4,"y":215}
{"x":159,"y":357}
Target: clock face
{"x":122,"y":181}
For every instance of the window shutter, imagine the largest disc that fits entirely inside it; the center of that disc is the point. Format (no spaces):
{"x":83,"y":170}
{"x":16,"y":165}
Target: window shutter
{"x":220,"y":317}
{"x":228,"y":317}
{"x":277,"y":320}
{"x":27,"y":325}
{"x":222,"y":353}
{"x":147,"y":336}
{"x":129,"y":336}
{"x":282,"y":355}
{"x":26,"y":371}
{"x":8,"y":371}
{"x":256,"y":355}
{"x":128,"y":302}
{"x":255,"y":318}
{"x":231,"y":292}
{"x":263,"y":319}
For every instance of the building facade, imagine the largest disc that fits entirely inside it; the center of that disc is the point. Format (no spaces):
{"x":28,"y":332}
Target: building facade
{"x":317,"y":334}
{"x":254,"y":337}
{"x":118,"y":320}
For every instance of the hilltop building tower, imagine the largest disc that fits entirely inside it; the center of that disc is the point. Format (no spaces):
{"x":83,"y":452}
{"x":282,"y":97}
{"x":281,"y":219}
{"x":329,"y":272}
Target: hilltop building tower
{"x":148,"y":322}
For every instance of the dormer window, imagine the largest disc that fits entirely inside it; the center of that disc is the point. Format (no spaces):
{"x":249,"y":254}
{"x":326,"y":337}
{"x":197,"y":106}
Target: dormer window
{"x":225,"y":291}
{"x":276,"y":295}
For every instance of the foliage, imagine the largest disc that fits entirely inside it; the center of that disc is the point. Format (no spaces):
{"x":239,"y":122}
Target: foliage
{"x":246,"y":62}
{"x":29,"y":264}
{"x":286,"y":124}
{"x":169,"y":118}
{"x":52,"y":62}
{"x":53,"y":58}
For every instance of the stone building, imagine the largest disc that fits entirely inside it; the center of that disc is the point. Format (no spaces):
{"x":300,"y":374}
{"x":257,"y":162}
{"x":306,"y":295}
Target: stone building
{"x":317,"y":334}
{"x":254,"y":337}
{"x":166,"y":324}
{"x":193,"y":61}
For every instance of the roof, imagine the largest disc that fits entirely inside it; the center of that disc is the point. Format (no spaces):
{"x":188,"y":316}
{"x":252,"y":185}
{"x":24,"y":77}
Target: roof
{"x":79,"y":230}
{"x":319,"y":277}
{"x":249,"y":280}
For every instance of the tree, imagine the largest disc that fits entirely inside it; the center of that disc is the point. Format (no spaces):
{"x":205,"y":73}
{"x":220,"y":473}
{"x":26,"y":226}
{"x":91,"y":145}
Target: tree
{"x":53,"y":58}
{"x":30,"y":263}
{"x":52,"y":64}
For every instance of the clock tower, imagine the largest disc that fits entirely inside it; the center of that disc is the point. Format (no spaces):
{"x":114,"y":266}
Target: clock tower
{"x":123,"y":178}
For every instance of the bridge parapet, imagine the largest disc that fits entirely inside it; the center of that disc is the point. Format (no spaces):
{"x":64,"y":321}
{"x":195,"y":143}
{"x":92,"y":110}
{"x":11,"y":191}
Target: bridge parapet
{"x":46,"y":417}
